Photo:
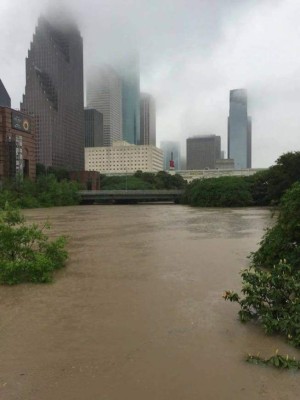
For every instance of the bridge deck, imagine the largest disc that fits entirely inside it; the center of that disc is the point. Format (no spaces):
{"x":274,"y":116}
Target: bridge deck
{"x":136,"y":195}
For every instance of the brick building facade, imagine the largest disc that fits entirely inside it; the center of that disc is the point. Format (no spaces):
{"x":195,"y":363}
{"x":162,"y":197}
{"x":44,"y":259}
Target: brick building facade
{"x":17,"y":145}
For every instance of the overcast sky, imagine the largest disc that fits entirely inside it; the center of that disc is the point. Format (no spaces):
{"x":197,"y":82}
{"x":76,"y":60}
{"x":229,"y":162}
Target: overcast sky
{"x":192,"y":52}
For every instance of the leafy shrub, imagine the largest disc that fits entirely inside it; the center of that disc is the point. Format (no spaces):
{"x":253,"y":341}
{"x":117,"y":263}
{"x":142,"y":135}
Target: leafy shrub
{"x":271,"y":286}
{"x":227,"y":191}
{"x":273,"y":298}
{"x":26,"y":254}
{"x":282,"y":241}
{"x":47,"y":191}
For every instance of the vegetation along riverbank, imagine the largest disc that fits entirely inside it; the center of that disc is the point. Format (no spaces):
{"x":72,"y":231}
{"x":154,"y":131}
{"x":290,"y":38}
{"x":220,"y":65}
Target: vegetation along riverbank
{"x":270,"y":292}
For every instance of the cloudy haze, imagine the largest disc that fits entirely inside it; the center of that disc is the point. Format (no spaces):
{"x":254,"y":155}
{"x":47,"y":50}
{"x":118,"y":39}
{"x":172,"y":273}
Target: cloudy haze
{"x":192,"y":52}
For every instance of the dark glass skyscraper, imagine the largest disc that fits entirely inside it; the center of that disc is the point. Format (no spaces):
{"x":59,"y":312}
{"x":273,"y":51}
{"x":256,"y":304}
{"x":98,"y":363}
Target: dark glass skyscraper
{"x":4,"y":96}
{"x":93,"y":120}
{"x":148,"y":120}
{"x":54,"y":93}
{"x":239,"y":130}
{"x":202,"y":152}
{"x":129,"y":71}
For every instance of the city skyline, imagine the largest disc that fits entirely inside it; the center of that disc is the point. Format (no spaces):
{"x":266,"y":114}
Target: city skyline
{"x":189,"y":67}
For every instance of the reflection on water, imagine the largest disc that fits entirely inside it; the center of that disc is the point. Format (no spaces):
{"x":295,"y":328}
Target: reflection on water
{"x":138,"y":312}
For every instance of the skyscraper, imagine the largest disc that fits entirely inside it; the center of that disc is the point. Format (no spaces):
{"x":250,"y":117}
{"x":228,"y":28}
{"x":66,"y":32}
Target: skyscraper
{"x":54,"y":93}
{"x":129,"y":71}
{"x":171,"y":153}
{"x":93,"y":120}
{"x":4,"y":96}
{"x":148,"y":119}
{"x":239,"y":130}
{"x":104,"y":93}
{"x":203,"y":151}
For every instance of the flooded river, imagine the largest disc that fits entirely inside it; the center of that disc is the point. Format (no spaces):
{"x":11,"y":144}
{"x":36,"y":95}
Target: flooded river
{"x":138,"y":313}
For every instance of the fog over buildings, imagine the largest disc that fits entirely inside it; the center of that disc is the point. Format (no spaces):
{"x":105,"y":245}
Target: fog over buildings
{"x":192,"y":53}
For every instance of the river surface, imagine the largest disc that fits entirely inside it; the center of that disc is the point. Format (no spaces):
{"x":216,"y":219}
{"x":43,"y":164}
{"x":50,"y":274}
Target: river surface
{"x":138,"y":314}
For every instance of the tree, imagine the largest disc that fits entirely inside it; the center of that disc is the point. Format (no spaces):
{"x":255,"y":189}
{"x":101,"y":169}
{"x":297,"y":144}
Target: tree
{"x":26,"y":253}
{"x":227,"y":191}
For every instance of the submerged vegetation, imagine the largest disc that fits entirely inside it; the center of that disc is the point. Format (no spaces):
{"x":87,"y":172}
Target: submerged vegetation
{"x":270,"y":291}
{"x":277,"y":361}
{"x":26,"y":252}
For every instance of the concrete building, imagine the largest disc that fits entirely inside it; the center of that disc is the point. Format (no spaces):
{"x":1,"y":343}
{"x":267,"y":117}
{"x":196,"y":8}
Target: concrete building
{"x":4,"y":96}
{"x":224,"y":163}
{"x":104,"y":94}
{"x":17,"y":145}
{"x":148,"y":120}
{"x":54,"y":93}
{"x":129,"y":70}
{"x":93,"y":131}
{"x":239,"y":130}
{"x":203,"y":151}
{"x":123,"y":157}
{"x":171,"y":153}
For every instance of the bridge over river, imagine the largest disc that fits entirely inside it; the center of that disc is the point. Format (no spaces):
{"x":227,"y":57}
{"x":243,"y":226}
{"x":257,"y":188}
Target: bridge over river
{"x":135,"y":196}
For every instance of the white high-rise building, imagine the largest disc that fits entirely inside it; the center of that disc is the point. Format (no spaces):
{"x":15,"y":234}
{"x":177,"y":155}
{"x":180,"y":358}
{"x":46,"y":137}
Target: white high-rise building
{"x":104,"y":93}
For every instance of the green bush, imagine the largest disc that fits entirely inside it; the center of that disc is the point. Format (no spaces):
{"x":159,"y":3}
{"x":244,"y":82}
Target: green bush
{"x":227,"y":191}
{"x":143,"y":181}
{"x":273,"y":298}
{"x":47,"y":191}
{"x":282,"y":241}
{"x":271,"y":286}
{"x":26,"y":253}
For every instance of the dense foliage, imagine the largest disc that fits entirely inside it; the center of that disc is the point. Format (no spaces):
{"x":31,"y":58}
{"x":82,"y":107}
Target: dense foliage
{"x":227,"y":191}
{"x":261,"y":189}
{"x":282,"y":241}
{"x":47,"y":191}
{"x":143,"y":181}
{"x":271,"y":286}
{"x":26,"y":253}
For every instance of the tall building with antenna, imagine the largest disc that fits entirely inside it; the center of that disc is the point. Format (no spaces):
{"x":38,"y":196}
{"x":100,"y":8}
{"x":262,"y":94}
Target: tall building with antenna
{"x":54,"y":93}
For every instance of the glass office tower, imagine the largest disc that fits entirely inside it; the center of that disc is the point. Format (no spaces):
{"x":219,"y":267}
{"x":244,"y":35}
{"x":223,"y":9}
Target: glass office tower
{"x":148,"y":120}
{"x":129,"y":71}
{"x":239,"y":130}
{"x":104,"y":94}
{"x":54,"y":93}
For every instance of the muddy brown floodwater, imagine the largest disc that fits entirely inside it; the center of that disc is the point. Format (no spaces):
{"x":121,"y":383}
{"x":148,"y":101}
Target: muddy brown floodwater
{"x":138,"y":313}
